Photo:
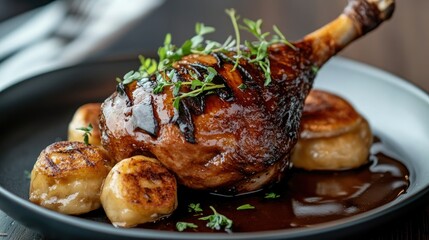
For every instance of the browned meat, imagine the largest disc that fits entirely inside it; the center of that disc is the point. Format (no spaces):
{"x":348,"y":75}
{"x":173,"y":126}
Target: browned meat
{"x":236,"y":140}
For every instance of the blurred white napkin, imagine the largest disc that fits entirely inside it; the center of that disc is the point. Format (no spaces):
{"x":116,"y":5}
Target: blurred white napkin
{"x":43,"y":51}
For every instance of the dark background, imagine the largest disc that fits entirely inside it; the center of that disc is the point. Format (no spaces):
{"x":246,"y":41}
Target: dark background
{"x":399,"y":46}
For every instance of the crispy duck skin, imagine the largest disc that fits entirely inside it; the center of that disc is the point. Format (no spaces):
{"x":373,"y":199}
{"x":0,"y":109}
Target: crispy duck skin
{"x":234,"y":140}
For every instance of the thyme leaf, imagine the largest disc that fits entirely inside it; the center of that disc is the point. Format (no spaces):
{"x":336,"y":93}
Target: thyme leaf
{"x":271,"y":195}
{"x":254,"y":52}
{"x":242,"y":86}
{"x":282,"y":38}
{"x":315,"y":69}
{"x":217,"y":221}
{"x":197,"y":86}
{"x":194,"y":207}
{"x":86,"y":133}
{"x":181,"y":226}
{"x":245,"y":207}
{"x":257,"y":52}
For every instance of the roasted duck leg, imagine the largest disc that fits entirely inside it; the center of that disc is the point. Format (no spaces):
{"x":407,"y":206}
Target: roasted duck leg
{"x":358,"y":18}
{"x":236,"y":140}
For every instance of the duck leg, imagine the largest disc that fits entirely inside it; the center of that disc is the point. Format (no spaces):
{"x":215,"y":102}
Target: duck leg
{"x":358,"y":18}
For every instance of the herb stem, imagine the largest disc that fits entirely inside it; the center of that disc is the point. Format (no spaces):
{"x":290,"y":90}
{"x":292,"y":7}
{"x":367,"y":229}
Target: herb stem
{"x":257,"y":53}
{"x":217,"y":220}
{"x":86,"y":133}
{"x":284,"y":40}
{"x":231,"y":13}
{"x":181,"y":226}
{"x":197,"y":92}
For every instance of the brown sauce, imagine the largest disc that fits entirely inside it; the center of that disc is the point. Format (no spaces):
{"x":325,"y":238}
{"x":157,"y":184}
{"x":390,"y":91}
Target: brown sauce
{"x":306,"y":198}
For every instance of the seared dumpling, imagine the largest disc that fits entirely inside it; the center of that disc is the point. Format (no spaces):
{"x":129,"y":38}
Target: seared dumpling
{"x":138,"y":190}
{"x":67,"y":177}
{"x":333,"y":136}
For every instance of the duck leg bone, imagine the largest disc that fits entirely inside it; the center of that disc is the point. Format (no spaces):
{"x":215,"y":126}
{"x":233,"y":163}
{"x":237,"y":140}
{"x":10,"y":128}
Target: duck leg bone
{"x":357,"y":19}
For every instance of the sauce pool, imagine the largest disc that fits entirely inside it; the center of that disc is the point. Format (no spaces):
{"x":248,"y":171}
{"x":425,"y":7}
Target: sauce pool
{"x":304,"y":198}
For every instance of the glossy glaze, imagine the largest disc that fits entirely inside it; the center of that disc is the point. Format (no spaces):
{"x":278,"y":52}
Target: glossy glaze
{"x":306,"y":197}
{"x":233,"y":140}
{"x":238,"y":143}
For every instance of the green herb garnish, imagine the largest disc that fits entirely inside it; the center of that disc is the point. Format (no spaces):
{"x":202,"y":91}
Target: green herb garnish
{"x":86,"y":133}
{"x":169,"y":53}
{"x":217,"y":221}
{"x":246,"y":207}
{"x":234,"y":19}
{"x":198,"y":87}
{"x":181,"y":226}
{"x":271,"y":195}
{"x":242,"y":86}
{"x":257,"y":52}
{"x":253,"y":52}
{"x":147,"y":67}
{"x":314,"y":69}
{"x":27,"y":174}
{"x":194,"y":207}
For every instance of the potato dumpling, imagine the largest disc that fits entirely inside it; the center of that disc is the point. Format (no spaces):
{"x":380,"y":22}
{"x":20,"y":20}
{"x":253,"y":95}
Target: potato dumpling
{"x":67,"y":177}
{"x":85,"y":115}
{"x":138,"y":190}
{"x":333,"y":135}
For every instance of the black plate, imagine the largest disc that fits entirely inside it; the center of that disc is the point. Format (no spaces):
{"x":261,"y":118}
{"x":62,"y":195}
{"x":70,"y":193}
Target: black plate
{"x":36,"y":112}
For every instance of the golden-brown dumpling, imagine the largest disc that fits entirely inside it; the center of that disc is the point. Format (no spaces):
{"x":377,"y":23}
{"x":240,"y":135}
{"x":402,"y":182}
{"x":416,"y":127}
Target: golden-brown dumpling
{"x":67,"y":177}
{"x":333,"y":135}
{"x":138,"y":190}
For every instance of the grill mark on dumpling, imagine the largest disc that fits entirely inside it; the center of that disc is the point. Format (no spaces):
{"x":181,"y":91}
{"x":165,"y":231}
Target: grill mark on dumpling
{"x":55,"y":169}
{"x":84,"y":157}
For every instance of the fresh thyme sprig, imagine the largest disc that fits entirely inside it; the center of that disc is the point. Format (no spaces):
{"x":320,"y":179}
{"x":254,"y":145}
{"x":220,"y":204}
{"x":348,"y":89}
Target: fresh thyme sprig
{"x":271,"y":195}
{"x":147,"y":67}
{"x":217,"y":220}
{"x":253,"y":52}
{"x":169,"y":53}
{"x":194,"y":207}
{"x":86,"y":133}
{"x":257,"y":52}
{"x":234,"y":19}
{"x":197,"y":86}
{"x":181,"y":226}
